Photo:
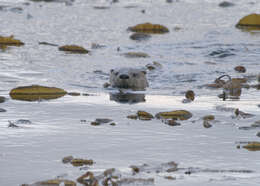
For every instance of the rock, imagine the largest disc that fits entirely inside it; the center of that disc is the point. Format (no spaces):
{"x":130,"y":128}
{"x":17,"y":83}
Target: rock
{"x":10,"y":41}
{"x":170,"y":178}
{"x":67,"y":159}
{"x":144,"y":115}
{"x":162,"y":168}
{"x":132,"y":117}
{"x":2,"y":110}
{"x":140,"y":36}
{"x":225,"y":4}
{"x":81,"y":162}
{"x":97,"y":46}
{"x":36,"y":93}
{"x":190,"y":95}
{"x":252,"y":146}
{"x":53,"y":182}
{"x":258,"y":134}
{"x":106,"y":85}
{"x":240,"y":69}
{"x":73,"y":49}
{"x":149,"y":28}
{"x":153,"y":66}
{"x":12,"y":125}
{"x":251,"y":22}
{"x":94,"y":123}
{"x":172,"y":122}
{"x":243,"y":114}
{"x":88,"y":179}
{"x":46,"y":43}
{"x":177,"y":114}
{"x":73,"y":93}
{"x":136,"y":55}
{"x":209,"y":117}
{"x":206,"y":124}
{"x":103,"y":120}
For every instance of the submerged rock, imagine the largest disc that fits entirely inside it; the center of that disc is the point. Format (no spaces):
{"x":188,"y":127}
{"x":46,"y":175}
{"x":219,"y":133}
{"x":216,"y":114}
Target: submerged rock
{"x":67,"y":159}
{"x":10,"y":41}
{"x":2,"y":110}
{"x":73,"y":49}
{"x":162,"y":168}
{"x":244,"y":115}
{"x":177,"y":115}
{"x":149,"y":28}
{"x":140,"y":36}
{"x":52,"y":182}
{"x":225,"y":4}
{"x":36,"y":93}
{"x":251,"y":22}
{"x":136,"y":55}
{"x":153,"y":66}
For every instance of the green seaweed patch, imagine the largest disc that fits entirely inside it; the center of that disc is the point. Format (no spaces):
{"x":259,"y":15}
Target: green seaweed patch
{"x":10,"y":41}
{"x":176,"y":115}
{"x":73,"y":49}
{"x":36,"y":92}
{"x":149,"y":28}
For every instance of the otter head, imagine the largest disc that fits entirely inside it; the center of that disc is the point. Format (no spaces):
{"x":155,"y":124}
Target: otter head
{"x":132,"y":78}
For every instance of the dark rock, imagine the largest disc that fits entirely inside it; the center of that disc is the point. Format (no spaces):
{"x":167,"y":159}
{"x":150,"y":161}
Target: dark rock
{"x":140,"y":36}
{"x":240,"y":69}
{"x":225,"y":4}
{"x":2,"y":110}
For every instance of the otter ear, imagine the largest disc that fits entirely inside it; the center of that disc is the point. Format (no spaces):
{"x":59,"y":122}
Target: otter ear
{"x":112,"y":70}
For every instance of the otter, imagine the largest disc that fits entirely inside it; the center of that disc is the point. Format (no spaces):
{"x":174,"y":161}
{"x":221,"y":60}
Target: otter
{"x":132,"y":78}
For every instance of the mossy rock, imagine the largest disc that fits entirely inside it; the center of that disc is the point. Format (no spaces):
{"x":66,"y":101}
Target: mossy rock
{"x":251,"y":22}
{"x":176,"y":115}
{"x":10,"y":41}
{"x":81,"y":162}
{"x":253,"y":146}
{"x":149,"y":28}
{"x":73,"y":49}
{"x":209,"y":117}
{"x":36,"y":92}
{"x":144,"y":115}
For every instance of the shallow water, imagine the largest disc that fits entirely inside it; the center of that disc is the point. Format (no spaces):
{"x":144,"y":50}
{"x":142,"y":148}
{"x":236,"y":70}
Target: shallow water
{"x":34,"y":151}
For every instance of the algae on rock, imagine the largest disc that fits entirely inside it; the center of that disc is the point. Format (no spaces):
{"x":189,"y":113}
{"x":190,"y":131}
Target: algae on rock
{"x":36,"y":92}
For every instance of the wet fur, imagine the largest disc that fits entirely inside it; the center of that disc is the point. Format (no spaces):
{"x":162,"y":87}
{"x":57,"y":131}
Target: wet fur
{"x":136,"y":81}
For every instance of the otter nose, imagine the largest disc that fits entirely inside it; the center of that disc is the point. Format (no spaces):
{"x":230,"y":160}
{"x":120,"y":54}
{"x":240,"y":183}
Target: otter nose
{"x":124,"y":76}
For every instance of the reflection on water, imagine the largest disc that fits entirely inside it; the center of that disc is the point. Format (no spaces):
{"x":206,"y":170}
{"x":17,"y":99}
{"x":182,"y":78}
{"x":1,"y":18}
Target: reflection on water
{"x":130,"y":98}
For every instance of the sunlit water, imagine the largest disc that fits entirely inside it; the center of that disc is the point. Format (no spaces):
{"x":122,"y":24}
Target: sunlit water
{"x":34,"y":151}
